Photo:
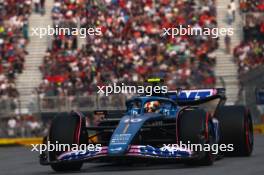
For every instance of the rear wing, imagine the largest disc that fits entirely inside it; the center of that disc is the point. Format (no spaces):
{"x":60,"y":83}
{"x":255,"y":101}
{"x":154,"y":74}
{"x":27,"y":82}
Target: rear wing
{"x":196,"y":96}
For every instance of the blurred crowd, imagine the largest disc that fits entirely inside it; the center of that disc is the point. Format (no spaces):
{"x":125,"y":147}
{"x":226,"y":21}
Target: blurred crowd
{"x":23,"y":126}
{"x":131,"y":47}
{"x":249,"y":54}
{"x":254,"y":26}
{"x":39,"y":6}
{"x":60,"y":69}
{"x":252,"y":5}
{"x":14,"y":37}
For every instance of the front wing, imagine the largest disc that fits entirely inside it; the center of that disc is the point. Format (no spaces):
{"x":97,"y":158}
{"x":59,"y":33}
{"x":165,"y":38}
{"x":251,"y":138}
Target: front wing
{"x":135,"y":151}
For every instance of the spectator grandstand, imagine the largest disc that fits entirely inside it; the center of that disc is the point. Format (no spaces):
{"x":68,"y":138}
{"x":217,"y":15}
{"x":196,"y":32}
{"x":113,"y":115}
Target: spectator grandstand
{"x":131,"y":47}
{"x":13,"y":40}
{"x":23,"y":126}
{"x":254,"y":26}
{"x":249,"y":53}
{"x":252,"y":5}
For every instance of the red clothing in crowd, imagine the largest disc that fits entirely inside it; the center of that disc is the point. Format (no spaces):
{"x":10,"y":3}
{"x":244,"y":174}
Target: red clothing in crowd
{"x":261,"y":7}
{"x":262,"y":28}
{"x":56,"y":78}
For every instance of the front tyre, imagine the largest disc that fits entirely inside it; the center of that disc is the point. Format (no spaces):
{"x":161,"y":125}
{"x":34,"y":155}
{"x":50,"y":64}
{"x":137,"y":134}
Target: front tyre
{"x":193,"y":127}
{"x":67,"y":129}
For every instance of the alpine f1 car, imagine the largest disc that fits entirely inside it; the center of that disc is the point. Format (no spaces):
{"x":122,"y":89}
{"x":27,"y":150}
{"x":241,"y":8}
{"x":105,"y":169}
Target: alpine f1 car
{"x":150,"y":127}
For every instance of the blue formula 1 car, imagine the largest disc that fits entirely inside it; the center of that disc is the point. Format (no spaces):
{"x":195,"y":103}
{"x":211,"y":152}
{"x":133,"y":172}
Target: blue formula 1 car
{"x":156,"y":128}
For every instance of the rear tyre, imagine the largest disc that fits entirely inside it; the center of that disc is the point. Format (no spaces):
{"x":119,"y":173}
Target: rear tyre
{"x":236,"y":128}
{"x":193,"y":128}
{"x":67,"y":129}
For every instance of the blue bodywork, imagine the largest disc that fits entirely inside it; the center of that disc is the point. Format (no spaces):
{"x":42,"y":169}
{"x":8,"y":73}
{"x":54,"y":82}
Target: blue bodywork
{"x":132,"y":122}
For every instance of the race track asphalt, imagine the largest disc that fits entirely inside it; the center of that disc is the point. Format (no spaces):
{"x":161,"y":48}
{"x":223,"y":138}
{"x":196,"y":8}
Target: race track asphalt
{"x":20,"y":160}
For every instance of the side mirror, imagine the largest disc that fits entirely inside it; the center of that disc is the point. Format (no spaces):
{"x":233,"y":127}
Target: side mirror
{"x":134,"y":111}
{"x":165,"y":111}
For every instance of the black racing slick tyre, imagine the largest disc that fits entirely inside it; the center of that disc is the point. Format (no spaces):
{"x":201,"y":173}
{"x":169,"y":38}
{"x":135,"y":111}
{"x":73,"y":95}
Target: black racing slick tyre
{"x":236,"y":128}
{"x":193,"y":128}
{"x":67,"y":129}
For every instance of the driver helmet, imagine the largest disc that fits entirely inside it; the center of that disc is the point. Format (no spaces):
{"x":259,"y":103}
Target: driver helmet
{"x":152,"y":106}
